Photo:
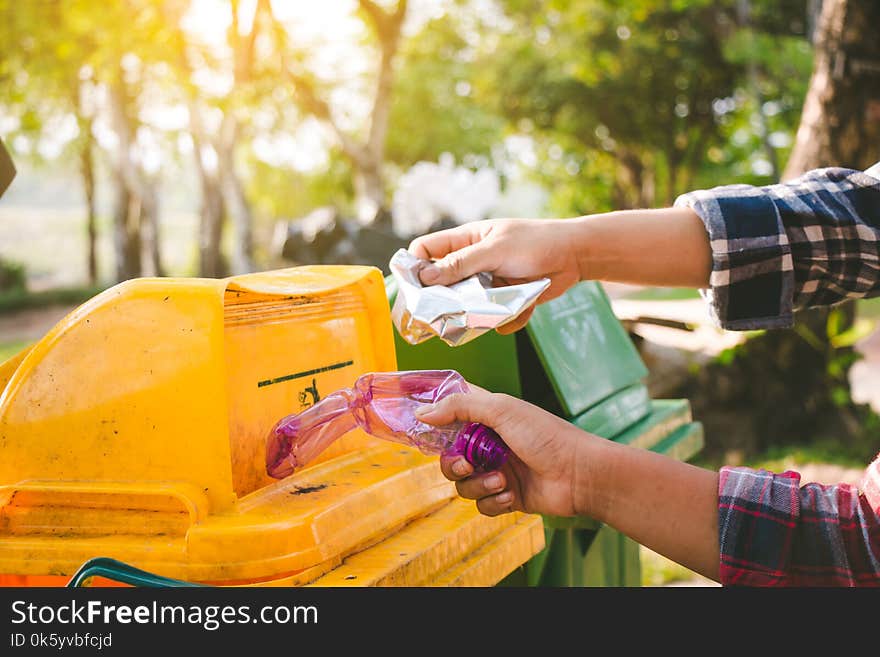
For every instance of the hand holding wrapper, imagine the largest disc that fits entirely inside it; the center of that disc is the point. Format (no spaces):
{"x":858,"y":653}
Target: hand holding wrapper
{"x":456,"y":313}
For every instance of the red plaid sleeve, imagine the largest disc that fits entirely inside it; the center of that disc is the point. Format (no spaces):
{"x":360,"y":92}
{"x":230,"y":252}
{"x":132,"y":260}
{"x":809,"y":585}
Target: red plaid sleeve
{"x":776,"y":532}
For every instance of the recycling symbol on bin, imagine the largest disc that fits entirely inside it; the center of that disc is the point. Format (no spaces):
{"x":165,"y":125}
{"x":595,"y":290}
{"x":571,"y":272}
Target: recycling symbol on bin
{"x":309,"y":396}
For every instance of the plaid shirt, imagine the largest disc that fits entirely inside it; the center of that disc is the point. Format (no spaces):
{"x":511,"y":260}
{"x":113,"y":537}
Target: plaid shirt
{"x":809,"y":242}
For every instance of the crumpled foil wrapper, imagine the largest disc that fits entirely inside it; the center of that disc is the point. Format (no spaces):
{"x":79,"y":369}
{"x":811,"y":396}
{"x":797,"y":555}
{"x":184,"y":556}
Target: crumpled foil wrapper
{"x":456,"y":313}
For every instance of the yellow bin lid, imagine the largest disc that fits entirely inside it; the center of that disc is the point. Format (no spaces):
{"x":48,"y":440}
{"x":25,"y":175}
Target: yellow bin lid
{"x":135,"y":429}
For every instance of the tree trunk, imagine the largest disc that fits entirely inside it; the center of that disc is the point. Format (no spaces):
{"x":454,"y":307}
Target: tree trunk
{"x":369,"y":189}
{"x":367,"y":158}
{"x":211,"y":263}
{"x":149,"y":222}
{"x":369,"y":182}
{"x":635,"y":184}
{"x":211,"y":218}
{"x":837,"y":125}
{"x":87,"y":171}
{"x":234,"y":198}
{"x":213,"y":209}
{"x":126,"y":231}
{"x":132,"y":194}
{"x":840,"y":122}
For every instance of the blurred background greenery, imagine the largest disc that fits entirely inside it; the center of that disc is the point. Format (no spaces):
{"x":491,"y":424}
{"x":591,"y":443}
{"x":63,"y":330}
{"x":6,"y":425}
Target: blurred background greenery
{"x":216,"y":137}
{"x":172,"y":136}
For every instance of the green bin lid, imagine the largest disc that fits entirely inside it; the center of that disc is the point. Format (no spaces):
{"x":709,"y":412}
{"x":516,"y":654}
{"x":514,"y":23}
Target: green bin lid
{"x":585,"y":351}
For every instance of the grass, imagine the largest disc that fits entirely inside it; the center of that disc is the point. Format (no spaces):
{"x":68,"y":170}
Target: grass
{"x":9,"y":349}
{"x":663,"y":294}
{"x":51,"y":243}
{"x":868,"y":308}
{"x":777,"y":459}
{"x":22,"y":299}
{"x":657,"y":570}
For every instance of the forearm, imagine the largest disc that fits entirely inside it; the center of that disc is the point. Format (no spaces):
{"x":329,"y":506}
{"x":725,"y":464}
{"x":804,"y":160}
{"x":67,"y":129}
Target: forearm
{"x":666,"y":505}
{"x":667,"y":247}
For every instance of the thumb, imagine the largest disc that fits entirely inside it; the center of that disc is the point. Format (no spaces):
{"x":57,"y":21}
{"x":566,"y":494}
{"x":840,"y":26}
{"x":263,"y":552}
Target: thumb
{"x":458,"y":265}
{"x":478,"y":405}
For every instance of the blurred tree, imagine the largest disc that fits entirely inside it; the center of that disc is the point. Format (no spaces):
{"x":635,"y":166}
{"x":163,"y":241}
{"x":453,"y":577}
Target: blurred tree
{"x":804,"y":391}
{"x":127,"y":64}
{"x":136,"y":201}
{"x":222,"y":189}
{"x":367,"y":156}
{"x":759,"y":116}
{"x":436,"y":106}
{"x":330,"y":185}
{"x":840,"y":126}
{"x":44,"y":72}
{"x":634,"y":80}
{"x":631,"y":103}
{"x":840,"y":122}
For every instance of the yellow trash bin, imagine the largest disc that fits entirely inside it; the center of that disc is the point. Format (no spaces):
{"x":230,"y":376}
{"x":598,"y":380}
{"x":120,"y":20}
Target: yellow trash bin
{"x":135,"y":429}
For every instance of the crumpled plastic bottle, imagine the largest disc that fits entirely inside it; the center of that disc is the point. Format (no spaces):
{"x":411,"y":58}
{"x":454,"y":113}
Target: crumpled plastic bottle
{"x":383,"y":404}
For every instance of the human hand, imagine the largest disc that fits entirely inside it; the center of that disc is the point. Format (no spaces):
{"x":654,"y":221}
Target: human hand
{"x":541,"y":472}
{"x":513,"y":250}
{"x":555,"y":468}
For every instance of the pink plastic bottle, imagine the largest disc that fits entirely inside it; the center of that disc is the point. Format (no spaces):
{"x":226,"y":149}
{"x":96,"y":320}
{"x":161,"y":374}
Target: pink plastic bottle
{"x":383,"y":404}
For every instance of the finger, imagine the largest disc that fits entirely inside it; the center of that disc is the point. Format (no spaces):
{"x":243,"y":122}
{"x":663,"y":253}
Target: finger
{"x":474,"y":406}
{"x":516,"y":324}
{"x":480,"y":485}
{"x":555,"y":290}
{"x":502,"y":281}
{"x":459,"y":264}
{"x":455,"y":467}
{"x":438,"y":244}
{"x":496,"y":505}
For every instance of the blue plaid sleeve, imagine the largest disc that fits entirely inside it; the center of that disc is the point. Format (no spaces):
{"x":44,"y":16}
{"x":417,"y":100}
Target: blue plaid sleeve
{"x":812,"y":241}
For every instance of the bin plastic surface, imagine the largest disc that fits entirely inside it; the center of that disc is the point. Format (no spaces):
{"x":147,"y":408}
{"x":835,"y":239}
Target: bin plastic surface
{"x":135,"y":430}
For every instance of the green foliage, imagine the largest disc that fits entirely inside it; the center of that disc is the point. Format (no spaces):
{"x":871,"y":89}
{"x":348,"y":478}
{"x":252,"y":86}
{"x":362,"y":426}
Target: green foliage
{"x":868,"y":309}
{"x":624,"y":103}
{"x":437,"y":107}
{"x":12,"y":277}
{"x":21,"y":299}
{"x":48,"y":49}
{"x":657,"y":570}
{"x":635,"y":81}
{"x":633,"y":103}
{"x":9,"y":349}
{"x":758,"y":120}
{"x":824,"y":450}
{"x":664,"y":294}
{"x":286,"y":193}
{"x":829,"y":450}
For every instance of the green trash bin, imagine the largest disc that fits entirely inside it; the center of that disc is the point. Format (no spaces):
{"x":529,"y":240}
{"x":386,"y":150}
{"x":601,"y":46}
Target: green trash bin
{"x":577,"y":361}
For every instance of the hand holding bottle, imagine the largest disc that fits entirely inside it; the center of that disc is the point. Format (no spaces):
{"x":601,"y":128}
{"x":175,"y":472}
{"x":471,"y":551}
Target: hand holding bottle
{"x":383,"y":404}
{"x":545,"y":472}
